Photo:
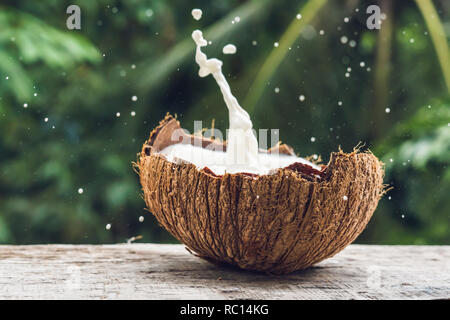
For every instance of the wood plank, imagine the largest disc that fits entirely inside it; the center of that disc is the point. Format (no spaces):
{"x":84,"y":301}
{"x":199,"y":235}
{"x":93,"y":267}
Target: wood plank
{"x":155,"y":271}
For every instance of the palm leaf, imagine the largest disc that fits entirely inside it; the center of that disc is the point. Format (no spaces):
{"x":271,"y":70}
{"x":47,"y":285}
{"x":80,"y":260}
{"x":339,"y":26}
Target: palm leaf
{"x":153,"y":74}
{"x":308,"y":12}
{"x":437,"y":35}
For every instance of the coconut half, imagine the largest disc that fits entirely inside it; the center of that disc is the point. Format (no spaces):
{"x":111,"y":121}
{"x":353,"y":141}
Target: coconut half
{"x":280,"y":222}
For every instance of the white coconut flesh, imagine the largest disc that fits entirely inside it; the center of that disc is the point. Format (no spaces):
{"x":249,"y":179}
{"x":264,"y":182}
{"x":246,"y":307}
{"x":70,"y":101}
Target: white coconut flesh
{"x":218,"y":161}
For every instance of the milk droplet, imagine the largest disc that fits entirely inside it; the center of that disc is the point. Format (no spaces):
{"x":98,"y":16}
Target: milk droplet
{"x":46,"y":119}
{"x":321,"y":32}
{"x":345,"y":198}
{"x":344,"y":39}
{"x":118,"y":114}
{"x":134,"y":98}
{"x":149,"y":12}
{"x":6,"y":77}
{"x":25,"y":105}
{"x":403,"y":216}
{"x":347,"y":75}
{"x":133,"y":66}
{"x":35,"y":94}
{"x":349,"y":69}
{"x":362,"y":64}
{"x":276,"y":44}
{"x":301,"y":98}
{"x":141,"y":219}
{"x":254,"y":42}
{"x":411,"y":40}
{"x":298,"y":16}
{"x":339,"y":103}
{"x":197,"y":14}
{"x":133,"y":113}
{"x":229,"y":49}
{"x":108,"y":226}
{"x":352,"y":43}
{"x":313,"y":139}
{"x":80,"y":191}
{"x":237,"y":19}
{"x":346,"y":19}
{"x":277,"y":90}
{"x":387,"y":110}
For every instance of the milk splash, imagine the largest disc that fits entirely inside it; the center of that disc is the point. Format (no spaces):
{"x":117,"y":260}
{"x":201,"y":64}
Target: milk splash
{"x":229,"y":49}
{"x":242,"y":145}
{"x":197,"y":14}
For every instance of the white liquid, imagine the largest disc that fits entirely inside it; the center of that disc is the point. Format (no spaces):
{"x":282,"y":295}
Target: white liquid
{"x":242,"y":146}
{"x":197,"y":14}
{"x":217,"y":160}
{"x":229,"y":49}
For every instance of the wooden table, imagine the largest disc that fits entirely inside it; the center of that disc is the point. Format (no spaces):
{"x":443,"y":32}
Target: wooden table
{"x":155,"y":271}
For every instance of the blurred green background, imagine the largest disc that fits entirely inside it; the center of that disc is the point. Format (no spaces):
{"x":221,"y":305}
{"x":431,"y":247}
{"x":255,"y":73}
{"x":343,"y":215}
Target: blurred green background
{"x":61,"y":91}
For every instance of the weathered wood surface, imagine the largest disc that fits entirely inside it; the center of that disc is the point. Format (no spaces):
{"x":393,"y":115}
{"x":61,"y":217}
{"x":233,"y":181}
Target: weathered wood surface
{"x":152,"y":271}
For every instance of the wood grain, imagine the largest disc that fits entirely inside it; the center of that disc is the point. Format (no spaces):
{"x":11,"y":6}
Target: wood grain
{"x":154,"y":271}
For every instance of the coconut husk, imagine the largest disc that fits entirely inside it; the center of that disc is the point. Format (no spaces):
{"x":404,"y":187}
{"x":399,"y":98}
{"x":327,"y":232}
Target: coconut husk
{"x":276,"y":223}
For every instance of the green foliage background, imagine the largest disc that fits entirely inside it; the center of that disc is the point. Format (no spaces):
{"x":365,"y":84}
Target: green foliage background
{"x":79,"y":80}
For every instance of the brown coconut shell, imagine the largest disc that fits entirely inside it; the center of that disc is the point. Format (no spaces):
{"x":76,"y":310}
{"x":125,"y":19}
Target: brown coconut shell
{"x":276,"y":223}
